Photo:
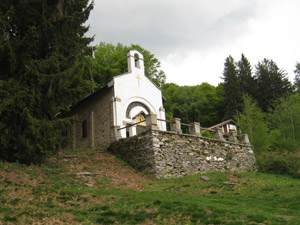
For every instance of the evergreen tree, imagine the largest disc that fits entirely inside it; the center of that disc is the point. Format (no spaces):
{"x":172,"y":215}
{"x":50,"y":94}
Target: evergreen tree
{"x":39,"y":44}
{"x":271,"y":83}
{"x":247,"y":81}
{"x":232,"y":90}
{"x":111,"y":60}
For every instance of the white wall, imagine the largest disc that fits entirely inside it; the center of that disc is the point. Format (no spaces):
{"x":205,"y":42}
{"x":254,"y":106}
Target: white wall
{"x":136,"y":87}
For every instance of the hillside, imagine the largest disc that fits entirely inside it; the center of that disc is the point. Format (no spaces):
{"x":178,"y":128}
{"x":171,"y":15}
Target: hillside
{"x":91,"y":186}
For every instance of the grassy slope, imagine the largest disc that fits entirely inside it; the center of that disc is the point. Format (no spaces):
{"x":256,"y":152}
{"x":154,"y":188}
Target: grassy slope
{"x":54,"y":193}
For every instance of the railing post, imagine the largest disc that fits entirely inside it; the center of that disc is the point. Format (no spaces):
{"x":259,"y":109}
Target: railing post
{"x":219,"y":134}
{"x":233,"y":136}
{"x":176,"y":126}
{"x":195,"y":129}
{"x":245,"y":139}
{"x":151,"y":122}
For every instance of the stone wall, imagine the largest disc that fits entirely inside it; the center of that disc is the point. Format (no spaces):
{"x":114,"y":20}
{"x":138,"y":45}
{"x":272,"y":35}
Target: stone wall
{"x":167,"y":154}
{"x":97,"y":111}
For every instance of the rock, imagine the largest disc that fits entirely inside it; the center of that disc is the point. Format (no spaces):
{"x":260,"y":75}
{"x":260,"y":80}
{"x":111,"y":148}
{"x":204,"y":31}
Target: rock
{"x":229,"y":183}
{"x":84,"y":174}
{"x":205,"y":178}
{"x":89,"y":185}
{"x":90,"y":173}
{"x":238,"y":175}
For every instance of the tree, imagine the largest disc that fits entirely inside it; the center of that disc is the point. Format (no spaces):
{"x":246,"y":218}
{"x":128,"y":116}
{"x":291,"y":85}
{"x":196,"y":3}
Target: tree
{"x":271,"y":83}
{"x":111,"y":60}
{"x":232,"y":90}
{"x":39,"y":44}
{"x":169,"y":91}
{"x":252,"y":122}
{"x":247,"y":81}
{"x":199,"y":103}
{"x":297,"y":77}
{"x":285,"y":122}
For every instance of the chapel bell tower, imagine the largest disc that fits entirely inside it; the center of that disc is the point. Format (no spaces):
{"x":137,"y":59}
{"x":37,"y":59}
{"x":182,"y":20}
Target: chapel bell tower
{"x":135,"y":62}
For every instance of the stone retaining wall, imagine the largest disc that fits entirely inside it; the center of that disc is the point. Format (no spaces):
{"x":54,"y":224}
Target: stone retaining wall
{"x":167,"y":154}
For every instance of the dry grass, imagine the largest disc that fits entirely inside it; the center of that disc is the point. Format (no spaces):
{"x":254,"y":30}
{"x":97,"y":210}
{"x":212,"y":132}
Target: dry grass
{"x":91,"y":186}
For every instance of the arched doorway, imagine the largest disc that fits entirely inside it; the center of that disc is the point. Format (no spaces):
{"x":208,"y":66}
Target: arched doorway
{"x":136,"y":112}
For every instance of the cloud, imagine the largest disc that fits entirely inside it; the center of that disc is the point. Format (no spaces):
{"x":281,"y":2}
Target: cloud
{"x":169,"y":26}
{"x":192,"y":38}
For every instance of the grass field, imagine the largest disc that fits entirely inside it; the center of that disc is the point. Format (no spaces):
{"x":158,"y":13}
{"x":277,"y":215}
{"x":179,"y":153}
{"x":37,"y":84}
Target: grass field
{"x":93,"y":187}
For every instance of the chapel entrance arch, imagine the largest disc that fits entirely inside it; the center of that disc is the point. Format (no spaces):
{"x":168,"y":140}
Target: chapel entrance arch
{"x":136,"y":104}
{"x":136,"y":112}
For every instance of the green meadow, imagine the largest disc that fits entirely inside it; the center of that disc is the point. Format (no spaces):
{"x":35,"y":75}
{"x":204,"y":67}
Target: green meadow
{"x":90,"y":186}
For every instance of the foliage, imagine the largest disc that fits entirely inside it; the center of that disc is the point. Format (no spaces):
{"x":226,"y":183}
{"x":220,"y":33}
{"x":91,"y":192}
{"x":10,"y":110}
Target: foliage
{"x":252,"y":122}
{"x":110,"y":60}
{"x":199,"y":103}
{"x":285,"y":121}
{"x":271,"y":83}
{"x":232,"y":89}
{"x":278,"y":163}
{"x":39,"y":44}
{"x":206,"y":133}
{"x":247,"y":82}
{"x":297,"y":77}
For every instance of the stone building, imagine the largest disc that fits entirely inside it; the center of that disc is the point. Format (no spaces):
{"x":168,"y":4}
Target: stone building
{"x":114,"y":111}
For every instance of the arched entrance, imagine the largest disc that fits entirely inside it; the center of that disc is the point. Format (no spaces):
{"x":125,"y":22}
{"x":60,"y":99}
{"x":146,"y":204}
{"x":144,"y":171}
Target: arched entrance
{"x":136,"y":112}
{"x":133,"y":105}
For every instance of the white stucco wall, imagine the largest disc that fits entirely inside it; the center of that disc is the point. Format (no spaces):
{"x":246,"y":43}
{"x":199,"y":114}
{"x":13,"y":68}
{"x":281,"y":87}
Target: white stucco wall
{"x":134,"y":86}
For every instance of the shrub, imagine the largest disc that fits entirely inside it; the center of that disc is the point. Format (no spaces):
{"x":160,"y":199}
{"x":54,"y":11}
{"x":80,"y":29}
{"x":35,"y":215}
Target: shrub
{"x":278,"y":163}
{"x":206,"y":133}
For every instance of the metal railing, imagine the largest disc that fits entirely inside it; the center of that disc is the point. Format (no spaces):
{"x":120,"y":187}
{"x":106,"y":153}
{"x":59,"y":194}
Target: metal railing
{"x":131,"y":125}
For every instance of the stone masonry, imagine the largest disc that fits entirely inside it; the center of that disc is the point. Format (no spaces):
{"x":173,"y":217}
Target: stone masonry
{"x":169,"y":154}
{"x":96,"y":110}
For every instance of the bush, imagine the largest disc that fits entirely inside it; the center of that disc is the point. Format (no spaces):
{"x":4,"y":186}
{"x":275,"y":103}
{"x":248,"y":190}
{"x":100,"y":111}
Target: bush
{"x":278,"y":163}
{"x":206,"y":133}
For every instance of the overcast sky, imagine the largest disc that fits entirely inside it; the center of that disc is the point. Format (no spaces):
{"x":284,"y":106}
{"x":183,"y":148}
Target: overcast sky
{"x":192,"y":38}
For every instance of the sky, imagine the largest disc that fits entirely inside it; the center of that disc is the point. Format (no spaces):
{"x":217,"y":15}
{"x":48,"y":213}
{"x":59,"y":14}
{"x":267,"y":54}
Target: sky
{"x":192,"y":38}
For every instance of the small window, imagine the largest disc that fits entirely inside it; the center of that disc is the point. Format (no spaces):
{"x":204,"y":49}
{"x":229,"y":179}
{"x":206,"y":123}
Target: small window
{"x":84,"y":129}
{"x":136,"y":60}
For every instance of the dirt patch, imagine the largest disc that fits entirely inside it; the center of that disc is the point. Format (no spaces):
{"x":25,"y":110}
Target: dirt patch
{"x":102,"y":164}
{"x":31,"y":177}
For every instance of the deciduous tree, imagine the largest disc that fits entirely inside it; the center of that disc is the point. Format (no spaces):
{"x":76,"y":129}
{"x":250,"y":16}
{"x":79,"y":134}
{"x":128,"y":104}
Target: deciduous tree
{"x":252,"y":122}
{"x":285,"y":122}
{"x":110,"y":60}
{"x":297,"y":77}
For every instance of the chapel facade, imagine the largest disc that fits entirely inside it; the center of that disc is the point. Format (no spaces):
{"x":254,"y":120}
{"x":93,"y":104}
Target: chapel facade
{"x":119,"y":109}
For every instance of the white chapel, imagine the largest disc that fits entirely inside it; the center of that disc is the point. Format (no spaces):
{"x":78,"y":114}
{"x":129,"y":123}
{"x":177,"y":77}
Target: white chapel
{"x":118,"y":109}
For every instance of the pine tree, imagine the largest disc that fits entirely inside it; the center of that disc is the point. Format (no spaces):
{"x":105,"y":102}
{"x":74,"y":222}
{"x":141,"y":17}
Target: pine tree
{"x":39,"y":44}
{"x":232,"y":90}
{"x":247,"y":81}
{"x":271,"y":83}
